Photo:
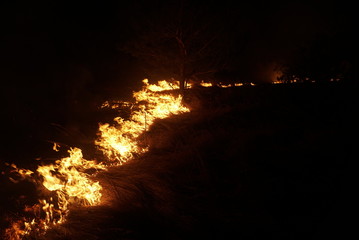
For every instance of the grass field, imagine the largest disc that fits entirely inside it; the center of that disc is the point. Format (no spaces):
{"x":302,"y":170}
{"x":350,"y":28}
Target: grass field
{"x":263,"y":162}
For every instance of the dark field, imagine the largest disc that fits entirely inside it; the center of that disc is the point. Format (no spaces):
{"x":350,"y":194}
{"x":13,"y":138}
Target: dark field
{"x":263,"y":162}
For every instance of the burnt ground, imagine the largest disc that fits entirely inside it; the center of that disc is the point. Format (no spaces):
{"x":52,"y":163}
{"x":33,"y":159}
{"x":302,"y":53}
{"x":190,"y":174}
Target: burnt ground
{"x":264,"y":162}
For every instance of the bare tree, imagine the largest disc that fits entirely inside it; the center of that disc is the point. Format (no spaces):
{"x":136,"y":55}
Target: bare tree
{"x":180,"y":41}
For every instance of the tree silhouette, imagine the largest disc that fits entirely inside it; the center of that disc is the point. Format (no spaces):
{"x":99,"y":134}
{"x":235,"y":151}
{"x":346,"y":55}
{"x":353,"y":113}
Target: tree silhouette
{"x":178,"y":40}
{"x":326,"y":59}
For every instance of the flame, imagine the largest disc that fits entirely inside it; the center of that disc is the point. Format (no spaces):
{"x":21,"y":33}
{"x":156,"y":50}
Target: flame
{"x":56,"y":147}
{"x":223,"y":85}
{"x":71,"y":185}
{"x":206,"y":84}
{"x":68,"y":179}
{"x":23,"y":173}
{"x":119,"y":142}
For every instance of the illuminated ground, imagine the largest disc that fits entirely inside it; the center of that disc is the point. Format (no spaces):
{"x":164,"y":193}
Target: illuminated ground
{"x":265,"y":162}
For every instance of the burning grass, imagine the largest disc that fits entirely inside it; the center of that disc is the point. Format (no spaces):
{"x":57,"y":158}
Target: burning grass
{"x":255,"y":169}
{"x":69,"y":178}
{"x":262,"y":164}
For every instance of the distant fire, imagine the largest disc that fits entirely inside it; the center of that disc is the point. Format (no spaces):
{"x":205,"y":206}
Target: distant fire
{"x":70,"y":179}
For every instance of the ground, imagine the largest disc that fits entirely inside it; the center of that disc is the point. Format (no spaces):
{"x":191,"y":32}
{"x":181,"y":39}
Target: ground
{"x":263,"y":162}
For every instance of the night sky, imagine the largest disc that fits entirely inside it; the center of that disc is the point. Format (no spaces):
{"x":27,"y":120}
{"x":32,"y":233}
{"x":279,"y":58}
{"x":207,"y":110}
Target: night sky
{"x":57,"y":58}
{"x":60,"y":60}
{"x":51,"y":42}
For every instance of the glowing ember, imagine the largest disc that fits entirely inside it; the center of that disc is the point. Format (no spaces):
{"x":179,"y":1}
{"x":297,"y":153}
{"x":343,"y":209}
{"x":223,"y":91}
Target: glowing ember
{"x":56,"y":147}
{"x":206,"y":84}
{"x":23,"y":173}
{"x":68,"y":178}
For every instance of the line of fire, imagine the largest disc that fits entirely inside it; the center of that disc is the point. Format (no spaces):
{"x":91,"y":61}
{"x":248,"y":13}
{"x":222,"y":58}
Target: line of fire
{"x":177,"y":120}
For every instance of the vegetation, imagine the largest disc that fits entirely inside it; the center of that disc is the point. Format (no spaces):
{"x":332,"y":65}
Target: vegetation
{"x":257,"y":162}
{"x":179,"y":40}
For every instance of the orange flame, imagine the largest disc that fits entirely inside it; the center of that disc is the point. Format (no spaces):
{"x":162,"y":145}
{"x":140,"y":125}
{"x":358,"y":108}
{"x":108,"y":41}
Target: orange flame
{"x":67,"y":177}
{"x":119,"y":142}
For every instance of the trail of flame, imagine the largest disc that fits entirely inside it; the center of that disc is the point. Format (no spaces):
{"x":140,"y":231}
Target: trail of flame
{"x":119,"y":142}
{"x":67,"y":177}
{"x":71,"y":185}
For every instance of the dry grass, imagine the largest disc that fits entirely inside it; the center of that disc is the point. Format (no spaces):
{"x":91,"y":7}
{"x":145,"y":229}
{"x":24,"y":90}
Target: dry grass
{"x":240,"y":165}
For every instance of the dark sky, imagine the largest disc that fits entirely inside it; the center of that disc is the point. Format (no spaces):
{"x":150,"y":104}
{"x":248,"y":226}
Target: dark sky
{"x":55,"y":45}
{"x":57,"y":58}
{"x":60,"y":59}
{"x":67,"y":40}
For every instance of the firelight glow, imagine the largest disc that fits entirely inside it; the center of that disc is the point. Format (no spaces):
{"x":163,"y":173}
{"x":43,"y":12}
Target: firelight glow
{"x":68,"y":179}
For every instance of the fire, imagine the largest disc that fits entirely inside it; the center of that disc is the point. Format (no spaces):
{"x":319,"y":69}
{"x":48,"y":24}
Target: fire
{"x":119,"y":142}
{"x":56,"y":147}
{"x":70,"y":183}
{"x":206,"y":84}
{"x":23,"y":173}
{"x":69,"y":180}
